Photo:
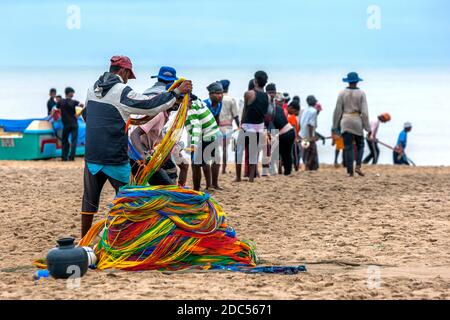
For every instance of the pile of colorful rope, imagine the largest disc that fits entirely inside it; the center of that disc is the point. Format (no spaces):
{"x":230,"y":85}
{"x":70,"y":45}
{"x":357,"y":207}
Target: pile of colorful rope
{"x":167,"y":228}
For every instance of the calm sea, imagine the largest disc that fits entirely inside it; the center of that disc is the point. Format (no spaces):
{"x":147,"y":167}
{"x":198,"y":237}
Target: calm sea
{"x":421,"y":96}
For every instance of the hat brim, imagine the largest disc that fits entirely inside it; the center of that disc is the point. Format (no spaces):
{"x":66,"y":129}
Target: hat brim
{"x":132,"y":76}
{"x":352,"y":80}
{"x":165,"y":78}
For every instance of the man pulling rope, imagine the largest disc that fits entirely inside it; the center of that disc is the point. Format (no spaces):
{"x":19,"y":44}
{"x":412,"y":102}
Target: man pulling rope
{"x":109,"y":104}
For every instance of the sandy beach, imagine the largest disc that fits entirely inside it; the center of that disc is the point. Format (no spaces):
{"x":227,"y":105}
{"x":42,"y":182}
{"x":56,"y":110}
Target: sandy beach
{"x":394,"y":221}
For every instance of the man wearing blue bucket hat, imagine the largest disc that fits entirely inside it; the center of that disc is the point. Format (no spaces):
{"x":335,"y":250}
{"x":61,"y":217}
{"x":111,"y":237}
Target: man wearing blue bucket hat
{"x":166,"y":76}
{"x":150,"y":132}
{"x":351,"y":118}
{"x":352,"y":78}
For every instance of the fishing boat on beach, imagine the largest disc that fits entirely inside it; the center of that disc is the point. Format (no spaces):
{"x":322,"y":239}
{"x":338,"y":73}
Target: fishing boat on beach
{"x":32,"y":139}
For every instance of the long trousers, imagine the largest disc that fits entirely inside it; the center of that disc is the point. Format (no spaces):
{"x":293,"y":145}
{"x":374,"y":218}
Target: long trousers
{"x":374,"y":152}
{"x":66,"y":145}
{"x":349,"y":140}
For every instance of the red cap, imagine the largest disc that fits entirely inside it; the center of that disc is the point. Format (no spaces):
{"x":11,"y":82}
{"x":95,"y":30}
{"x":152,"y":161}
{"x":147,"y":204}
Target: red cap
{"x":386,"y":117}
{"x":124,"y":62}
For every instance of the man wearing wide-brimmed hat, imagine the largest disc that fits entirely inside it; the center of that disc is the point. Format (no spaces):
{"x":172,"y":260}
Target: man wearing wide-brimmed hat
{"x":166,"y":76}
{"x":144,"y":137}
{"x":351,"y":118}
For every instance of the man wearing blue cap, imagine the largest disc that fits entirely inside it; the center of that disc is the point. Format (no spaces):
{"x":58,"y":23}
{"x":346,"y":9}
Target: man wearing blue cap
{"x":351,"y":118}
{"x":152,"y":129}
{"x":166,"y":76}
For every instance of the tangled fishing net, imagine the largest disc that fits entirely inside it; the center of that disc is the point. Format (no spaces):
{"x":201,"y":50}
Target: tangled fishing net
{"x":167,"y":228}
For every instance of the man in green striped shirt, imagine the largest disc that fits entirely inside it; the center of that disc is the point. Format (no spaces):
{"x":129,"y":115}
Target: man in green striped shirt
{"x":204,"y":140}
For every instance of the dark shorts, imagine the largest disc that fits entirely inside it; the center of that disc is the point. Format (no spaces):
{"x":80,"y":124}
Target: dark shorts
{"x":93,"y":185}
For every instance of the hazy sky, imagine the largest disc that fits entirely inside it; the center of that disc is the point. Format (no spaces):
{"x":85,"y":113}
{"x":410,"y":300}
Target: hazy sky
{"x":226,"y":33}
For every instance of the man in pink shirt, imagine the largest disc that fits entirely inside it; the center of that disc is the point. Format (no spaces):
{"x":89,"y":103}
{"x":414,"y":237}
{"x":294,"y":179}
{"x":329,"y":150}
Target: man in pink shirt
{"x":146,"y":136}
{"x":372,"y":138}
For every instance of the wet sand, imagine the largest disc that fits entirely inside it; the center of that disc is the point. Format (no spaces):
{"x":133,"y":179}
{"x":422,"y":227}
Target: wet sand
{"x":384,"y":236}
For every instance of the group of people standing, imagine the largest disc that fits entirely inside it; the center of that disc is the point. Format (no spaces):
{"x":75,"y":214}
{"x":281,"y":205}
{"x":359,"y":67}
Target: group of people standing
{"x":269,"y":125}
{"x":287,"y":134}
{"x":275,"y":127}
